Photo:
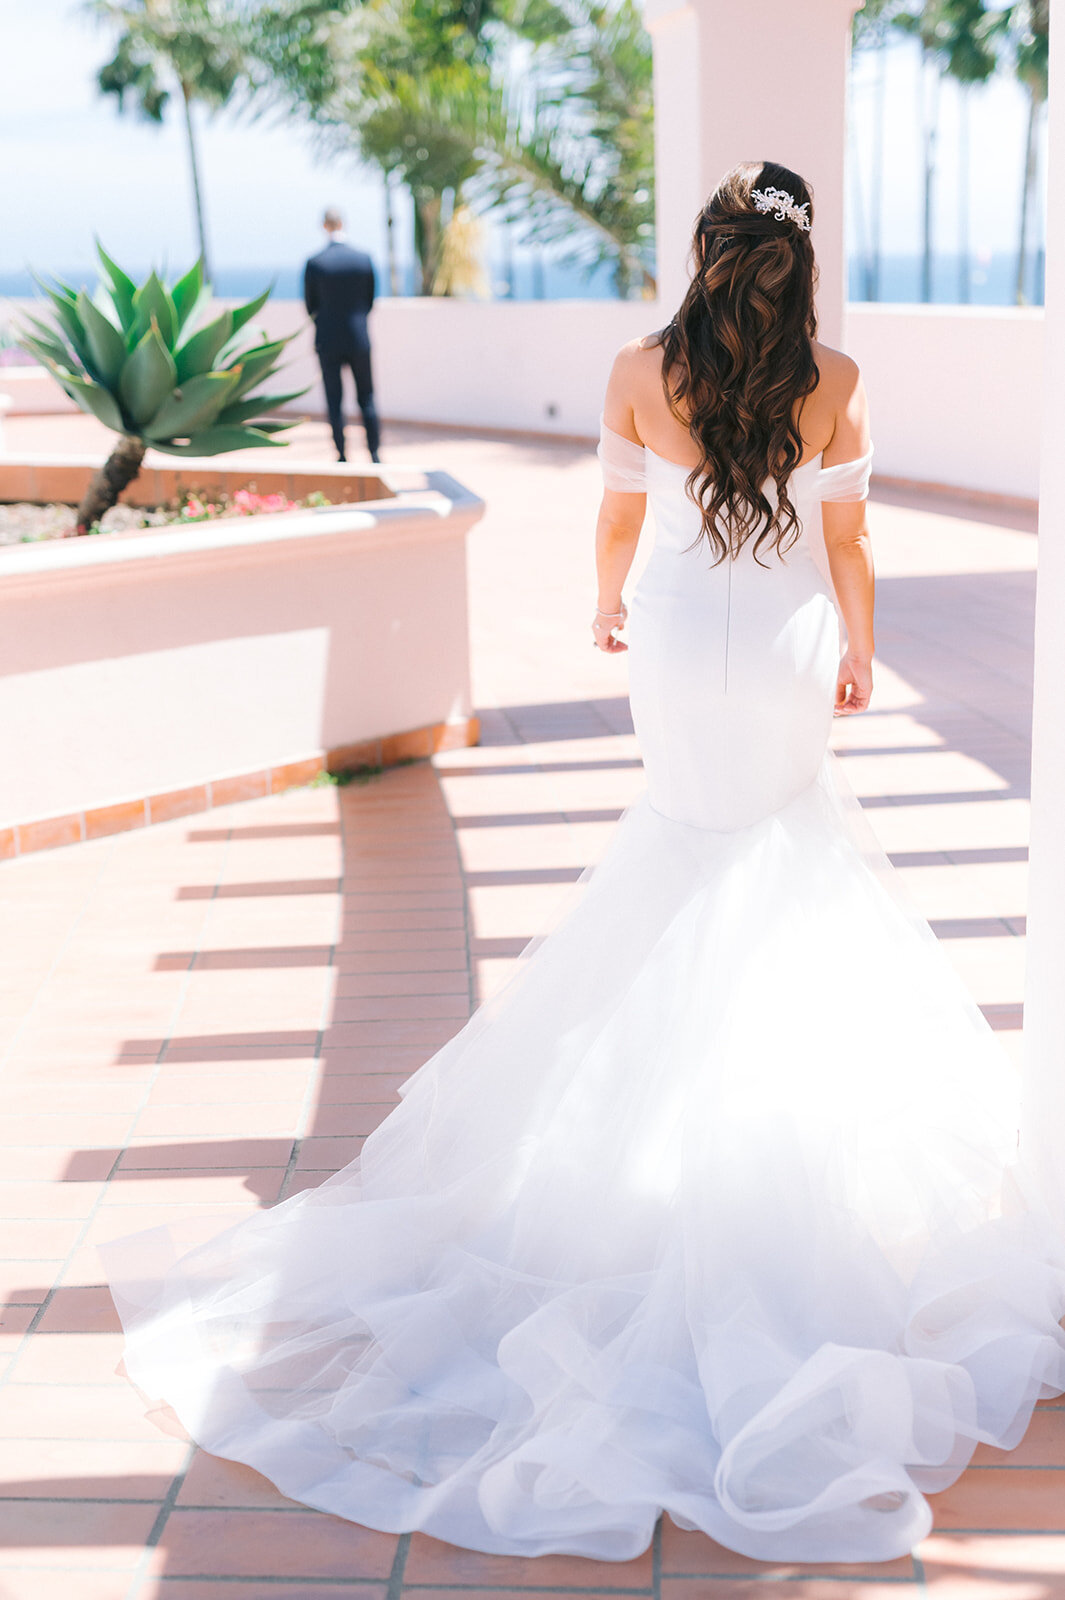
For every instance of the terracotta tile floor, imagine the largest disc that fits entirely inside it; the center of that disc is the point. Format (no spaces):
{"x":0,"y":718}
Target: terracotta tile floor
{"x":202,"y":1016}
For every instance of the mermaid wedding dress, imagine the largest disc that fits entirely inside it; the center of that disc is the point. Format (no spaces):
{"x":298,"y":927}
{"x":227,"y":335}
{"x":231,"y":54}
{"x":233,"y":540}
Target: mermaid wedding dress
{"x":714,"y":1209}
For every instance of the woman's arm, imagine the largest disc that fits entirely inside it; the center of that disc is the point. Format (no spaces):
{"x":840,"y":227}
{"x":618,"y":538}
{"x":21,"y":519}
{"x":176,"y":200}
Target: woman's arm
{"x":621,"y":515}
{"x":847,"y":545}
{"x":617,"y":534}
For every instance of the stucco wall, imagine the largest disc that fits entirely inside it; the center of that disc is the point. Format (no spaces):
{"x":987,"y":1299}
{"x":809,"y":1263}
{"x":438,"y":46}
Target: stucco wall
{"x":955,"y":391}
{"x":151,"y":662}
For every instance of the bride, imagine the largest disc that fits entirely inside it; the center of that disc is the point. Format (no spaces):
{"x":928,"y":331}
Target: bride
{"x":715,"y":1210}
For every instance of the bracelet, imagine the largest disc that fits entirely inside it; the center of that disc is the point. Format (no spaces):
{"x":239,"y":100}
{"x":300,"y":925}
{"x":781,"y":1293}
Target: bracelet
{"x":620,"y":613}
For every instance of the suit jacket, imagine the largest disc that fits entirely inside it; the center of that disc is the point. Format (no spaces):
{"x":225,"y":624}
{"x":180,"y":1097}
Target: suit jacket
{"x":338,"y":288}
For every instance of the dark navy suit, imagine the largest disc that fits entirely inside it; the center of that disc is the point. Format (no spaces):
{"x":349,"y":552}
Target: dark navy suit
{"x":338,"y":287}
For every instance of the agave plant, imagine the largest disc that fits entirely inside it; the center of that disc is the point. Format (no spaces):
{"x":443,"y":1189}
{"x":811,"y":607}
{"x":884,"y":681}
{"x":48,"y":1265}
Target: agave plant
{"x":162,"y":366}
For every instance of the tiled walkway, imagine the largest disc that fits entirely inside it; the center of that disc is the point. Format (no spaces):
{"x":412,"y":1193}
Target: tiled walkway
{"x":202,"y":1016}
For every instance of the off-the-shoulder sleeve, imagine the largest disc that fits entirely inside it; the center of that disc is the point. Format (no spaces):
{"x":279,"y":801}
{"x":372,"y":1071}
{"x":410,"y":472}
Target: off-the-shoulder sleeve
{"x":624,"y":464}
{"x":847,"y":481}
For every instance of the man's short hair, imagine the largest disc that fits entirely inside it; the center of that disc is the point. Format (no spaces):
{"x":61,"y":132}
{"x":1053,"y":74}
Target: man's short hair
{"x":332,"y":218}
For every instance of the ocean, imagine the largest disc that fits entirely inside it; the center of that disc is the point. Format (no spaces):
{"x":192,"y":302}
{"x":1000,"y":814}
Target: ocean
{"x":992,"y":277}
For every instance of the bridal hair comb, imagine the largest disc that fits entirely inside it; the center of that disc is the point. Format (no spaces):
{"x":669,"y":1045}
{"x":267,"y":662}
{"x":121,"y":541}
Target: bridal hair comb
{"x":783,"y":207}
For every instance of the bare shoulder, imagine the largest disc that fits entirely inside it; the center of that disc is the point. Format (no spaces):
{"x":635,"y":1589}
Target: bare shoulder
{"x":840,"y":374}
{"x":636,"y":373}
{"x":842,"y":395}
{"x":640,"y":357}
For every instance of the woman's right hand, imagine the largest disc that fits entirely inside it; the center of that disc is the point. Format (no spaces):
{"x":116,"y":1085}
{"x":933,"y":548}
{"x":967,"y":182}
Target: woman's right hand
{"x":854,"y":685}
{"x":604,"y":624}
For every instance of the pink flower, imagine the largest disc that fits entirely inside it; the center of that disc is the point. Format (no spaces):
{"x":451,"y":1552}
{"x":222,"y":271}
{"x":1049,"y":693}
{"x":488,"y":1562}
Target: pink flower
{"x":249,"y":504}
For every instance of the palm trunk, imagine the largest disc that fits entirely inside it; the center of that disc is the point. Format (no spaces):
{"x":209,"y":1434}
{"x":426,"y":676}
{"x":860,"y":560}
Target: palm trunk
{"x":876,"y":177}
{"x":427,"y":238}
{"x":965,"y":280}
{"x":390,"y":240}
{"x":1030,"y":149}
{"x":931,"y":114}
{"x":858,"y":203}
{"x":108,"y":481}
{"x":194,"y":168}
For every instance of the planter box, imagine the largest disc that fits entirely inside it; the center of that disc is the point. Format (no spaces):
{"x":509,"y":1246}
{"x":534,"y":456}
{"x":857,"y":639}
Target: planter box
{"x":33,"y":392}
{"x":147,"y":674}
{"x":163,"y":479}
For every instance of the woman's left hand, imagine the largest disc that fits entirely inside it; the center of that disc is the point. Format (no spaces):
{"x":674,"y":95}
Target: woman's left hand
{"x":603,"y":627}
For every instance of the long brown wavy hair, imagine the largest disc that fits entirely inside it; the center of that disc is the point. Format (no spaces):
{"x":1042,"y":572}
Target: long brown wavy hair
{"x":738,"y":359}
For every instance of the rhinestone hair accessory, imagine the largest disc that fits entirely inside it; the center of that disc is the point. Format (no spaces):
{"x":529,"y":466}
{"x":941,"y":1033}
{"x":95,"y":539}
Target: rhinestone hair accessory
{"x":783,"y":207}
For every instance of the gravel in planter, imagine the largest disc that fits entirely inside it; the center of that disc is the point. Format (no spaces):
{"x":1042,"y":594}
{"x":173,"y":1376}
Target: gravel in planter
{"x":23,"y":522}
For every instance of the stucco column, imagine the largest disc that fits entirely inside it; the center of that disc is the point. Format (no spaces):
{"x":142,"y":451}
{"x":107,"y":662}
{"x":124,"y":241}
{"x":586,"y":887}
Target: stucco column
{"x":1043,"y":1129}
{"x":750,"y":80}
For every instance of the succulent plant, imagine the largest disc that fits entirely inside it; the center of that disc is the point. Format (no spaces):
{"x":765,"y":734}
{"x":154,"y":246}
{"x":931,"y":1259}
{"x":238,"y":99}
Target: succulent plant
{"x":162,"y":366}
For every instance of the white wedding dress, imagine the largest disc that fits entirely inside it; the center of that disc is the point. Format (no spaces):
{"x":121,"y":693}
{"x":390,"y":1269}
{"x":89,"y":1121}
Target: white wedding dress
{"x":713,"y":1210}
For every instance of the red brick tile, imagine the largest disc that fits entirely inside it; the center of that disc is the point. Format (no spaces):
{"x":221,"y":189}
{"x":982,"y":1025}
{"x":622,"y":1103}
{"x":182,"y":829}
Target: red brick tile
{"x":76,"y":1411}
{"x":412,"y":746}
{"x":295,"y":774}
{"x":432,"y":1033}
{"x":49,"y":833}
{"x":1003,"y":1497}
{"x":71,"y":1358}
{"x":14,"y":1320}
{"x":360,"y":1089}
{"x":251,"y":1589}
{"x":269,"y":1121}
{"x":691,"y":1554}
{"x":177,"y":803}
{"x":419,"y":982}
{"x":1042,"y":1446}
{"x":212,"y":1187}
{"x":104,"y":820}
{"x":797,"y":1589}
{"x":401,"y":1007}
{"x":28,"y":1282}
{"x":34,"y":1199}
{"x":456,"y":735}
{"x":176,"y":1154}
{"x":36,"y":1237}
{"x":56,"y":1161}
{"x":273,"y":1544}
{"x":513,"y":1592}
{"x":353,"y":1119}
{"x":327,"y":1155}
{"x":352,"y":757}
{"x":213,"y":1482}
{"x":431,"y":1561}
{"x":44,"y":1534}
{"x":960,"y":1566}
{"x":80,"y":1310}
{"x":106,"y":1469}
{"x":247,"y":786}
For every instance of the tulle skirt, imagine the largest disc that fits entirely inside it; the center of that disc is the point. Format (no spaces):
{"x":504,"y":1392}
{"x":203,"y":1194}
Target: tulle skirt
{"x":715,"y":1209}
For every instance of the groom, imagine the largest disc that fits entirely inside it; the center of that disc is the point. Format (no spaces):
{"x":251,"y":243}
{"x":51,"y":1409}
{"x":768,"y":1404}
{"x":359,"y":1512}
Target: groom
{"x":338,"y":287}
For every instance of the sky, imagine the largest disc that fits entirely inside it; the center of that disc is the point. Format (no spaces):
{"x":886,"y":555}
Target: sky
{"x":70,"y":165}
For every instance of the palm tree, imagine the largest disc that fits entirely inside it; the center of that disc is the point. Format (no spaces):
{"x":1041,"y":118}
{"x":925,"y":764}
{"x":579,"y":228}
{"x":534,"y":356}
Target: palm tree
{"x":573,"y":142}
{"x":541,"y":106}
{"x":970,"y":37}
{"x":1030,"y":26}
{"x":162,"y":46}
{"x":958,"y":39}
{"x":872,"y":31}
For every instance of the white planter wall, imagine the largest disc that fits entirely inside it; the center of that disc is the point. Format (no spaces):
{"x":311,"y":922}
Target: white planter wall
{"x":955,"y":391}
{"x":140,"y":664}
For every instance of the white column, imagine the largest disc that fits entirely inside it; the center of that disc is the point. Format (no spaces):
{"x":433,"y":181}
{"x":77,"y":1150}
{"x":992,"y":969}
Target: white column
{"x":1043,"y":1130}
{"x":750,"y":80}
